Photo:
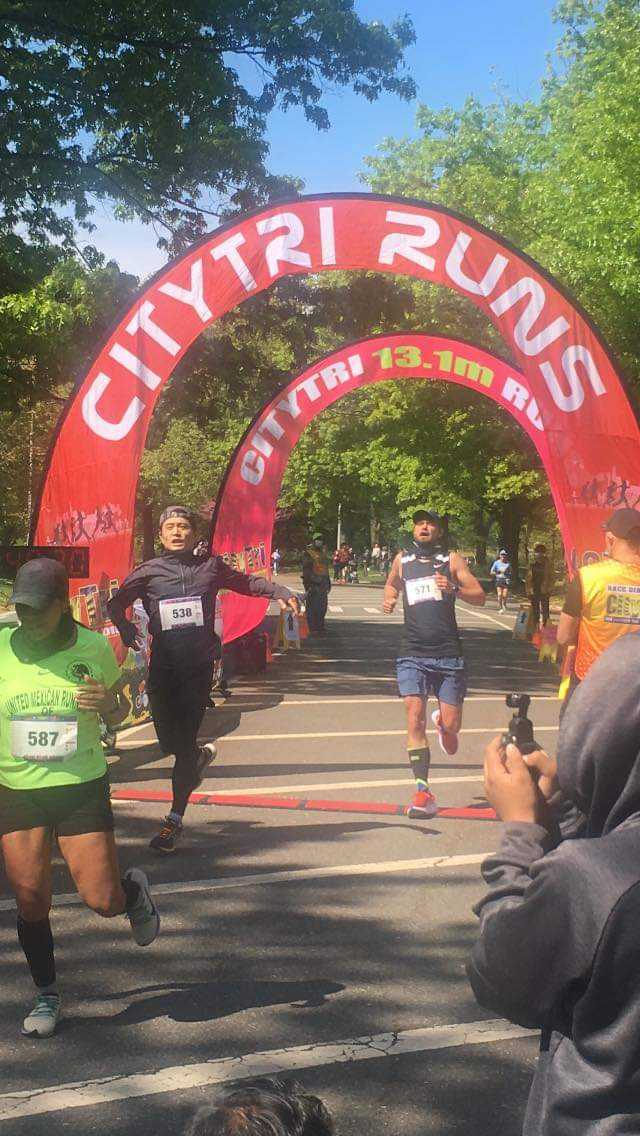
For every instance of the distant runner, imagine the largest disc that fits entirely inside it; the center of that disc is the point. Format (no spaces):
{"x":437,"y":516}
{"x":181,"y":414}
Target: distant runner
{"x":501,"y":572}
{"x":178,"y":592}
{"x":430,"y":577}
{"x":57,"y":679}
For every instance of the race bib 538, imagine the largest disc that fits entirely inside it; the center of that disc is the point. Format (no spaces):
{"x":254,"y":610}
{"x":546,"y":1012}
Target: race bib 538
{"x":186,"y":611}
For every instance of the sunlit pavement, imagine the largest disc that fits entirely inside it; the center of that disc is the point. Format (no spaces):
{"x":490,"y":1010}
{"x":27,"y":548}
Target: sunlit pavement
{"x":327,"y":936}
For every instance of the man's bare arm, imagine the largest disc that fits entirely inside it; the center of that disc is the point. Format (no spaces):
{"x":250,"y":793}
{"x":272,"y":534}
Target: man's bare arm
{"x":469,"y":589}
{"x":392,"y":587}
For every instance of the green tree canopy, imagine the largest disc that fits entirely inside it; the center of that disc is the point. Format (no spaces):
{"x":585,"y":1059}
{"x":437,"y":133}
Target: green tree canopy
{"x":156,"y":106}
{"x":558,"y":177}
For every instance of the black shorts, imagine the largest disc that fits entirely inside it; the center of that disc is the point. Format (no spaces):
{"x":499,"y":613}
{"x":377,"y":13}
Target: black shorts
{"x":68,"y":810}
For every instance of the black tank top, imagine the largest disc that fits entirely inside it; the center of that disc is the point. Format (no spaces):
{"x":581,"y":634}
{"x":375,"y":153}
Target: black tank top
{"x":430,"y":628}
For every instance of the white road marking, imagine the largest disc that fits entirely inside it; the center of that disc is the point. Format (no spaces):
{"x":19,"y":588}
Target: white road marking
{"x":331,"y":734}
{"x":374,"y":610}
{"x":278,"y":790}
{"x":384,"y":868}
{"x":361,"y":734}
{"x":335,"y":610}
{"x":498,"y":697}
{"x":490,"y":618}
{"x":178,"y":1078}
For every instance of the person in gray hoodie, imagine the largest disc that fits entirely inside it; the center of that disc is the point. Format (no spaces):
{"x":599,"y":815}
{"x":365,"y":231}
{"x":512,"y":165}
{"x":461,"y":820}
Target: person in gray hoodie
{"x":559,"y":926}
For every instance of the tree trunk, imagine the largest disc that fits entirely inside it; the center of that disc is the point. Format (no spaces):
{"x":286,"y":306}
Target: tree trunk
{"x":374,"y":527}
{"x":510,"y":525}
{"x":481,"y":525}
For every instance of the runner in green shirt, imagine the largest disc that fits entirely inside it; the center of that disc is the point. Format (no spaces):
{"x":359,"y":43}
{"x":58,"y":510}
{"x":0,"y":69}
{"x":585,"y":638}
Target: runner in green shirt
{"x":56,"y":680}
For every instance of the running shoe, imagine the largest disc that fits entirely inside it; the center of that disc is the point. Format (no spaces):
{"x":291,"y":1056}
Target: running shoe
{"x":167,"y":839}
{"x":143,"y":916}
{"x":43,"y":1019}
{"x":452,"y":746}
{"x":423,"y":805}
{"x":208,"y":754}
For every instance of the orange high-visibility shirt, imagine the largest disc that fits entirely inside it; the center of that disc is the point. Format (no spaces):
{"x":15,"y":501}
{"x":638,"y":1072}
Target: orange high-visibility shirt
{"x":610,"y":608}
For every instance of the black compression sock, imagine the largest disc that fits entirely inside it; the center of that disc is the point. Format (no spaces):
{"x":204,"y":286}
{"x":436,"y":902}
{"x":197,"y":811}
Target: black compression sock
{"x":131,"y":890}
{"x":36,"y":941}
{"x":419,"y":760}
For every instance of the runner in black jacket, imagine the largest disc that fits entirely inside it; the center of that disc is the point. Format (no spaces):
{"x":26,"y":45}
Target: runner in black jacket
{"x":178,"y":592}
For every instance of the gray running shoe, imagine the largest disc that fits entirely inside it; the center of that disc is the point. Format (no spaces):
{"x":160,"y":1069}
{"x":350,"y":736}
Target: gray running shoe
{"x":143,"y":916}
{"x":43,"y":1019}
{"x":166,"y":840}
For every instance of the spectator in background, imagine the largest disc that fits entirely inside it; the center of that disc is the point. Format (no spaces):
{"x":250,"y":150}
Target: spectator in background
{"x":539,"y":584}
{"x":317,"y":583}
{"x":603,"y":599}
{"x":335,"y":559}
{"x":343,"y":560}
{"x":384,"y":560}
{"x":264,"y":1106}
{"x":558,"y":946}
{"x":375,"y":557}
{"x":366,"y":560}
{"x":501,"y":572}
{"x":276,"y":557}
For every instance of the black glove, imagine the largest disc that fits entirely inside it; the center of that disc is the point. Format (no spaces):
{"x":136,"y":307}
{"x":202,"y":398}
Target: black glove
{"x":130,"y":636}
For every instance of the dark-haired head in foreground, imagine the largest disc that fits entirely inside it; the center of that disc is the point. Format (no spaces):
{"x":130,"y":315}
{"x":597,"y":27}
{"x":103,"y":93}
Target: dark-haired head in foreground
{"x":264,"y":1106}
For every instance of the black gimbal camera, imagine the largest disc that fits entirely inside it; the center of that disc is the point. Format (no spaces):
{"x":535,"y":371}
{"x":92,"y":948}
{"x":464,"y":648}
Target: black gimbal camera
{"x":520,"y":728}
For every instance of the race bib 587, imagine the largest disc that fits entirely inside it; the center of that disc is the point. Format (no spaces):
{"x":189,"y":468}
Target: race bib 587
{"x":44,"y":739}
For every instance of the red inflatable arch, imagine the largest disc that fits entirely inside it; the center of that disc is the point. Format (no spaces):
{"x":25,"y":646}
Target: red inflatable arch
{"x":243,"y":522}
{"x":591,"y":432}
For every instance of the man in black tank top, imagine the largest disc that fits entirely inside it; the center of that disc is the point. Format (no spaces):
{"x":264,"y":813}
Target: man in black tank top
{"x":430,"y":577}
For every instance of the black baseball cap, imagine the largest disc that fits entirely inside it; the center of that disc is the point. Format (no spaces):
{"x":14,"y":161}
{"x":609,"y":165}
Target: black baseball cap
{"x":426,"y":515}
{"x":623,"y":522}
{"x":177,"y":511}
{"x":39,"y":582}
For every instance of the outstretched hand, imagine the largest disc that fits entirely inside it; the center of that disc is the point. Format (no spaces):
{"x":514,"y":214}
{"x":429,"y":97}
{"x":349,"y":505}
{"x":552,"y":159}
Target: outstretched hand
{"x":292,"y":604}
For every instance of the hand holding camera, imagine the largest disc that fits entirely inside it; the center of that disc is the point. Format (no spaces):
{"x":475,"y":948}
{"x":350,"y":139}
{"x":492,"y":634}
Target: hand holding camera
{"x":519,"y":776}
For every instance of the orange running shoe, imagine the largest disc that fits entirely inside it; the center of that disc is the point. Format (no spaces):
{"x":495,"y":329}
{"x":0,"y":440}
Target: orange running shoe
{"x":423,"y":805}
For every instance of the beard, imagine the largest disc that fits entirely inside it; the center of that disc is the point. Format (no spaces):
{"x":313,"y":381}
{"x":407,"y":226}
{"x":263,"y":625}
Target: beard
{"x":428,"y":545}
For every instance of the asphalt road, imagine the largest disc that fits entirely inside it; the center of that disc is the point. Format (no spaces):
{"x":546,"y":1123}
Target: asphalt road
{"x":308,"y":925}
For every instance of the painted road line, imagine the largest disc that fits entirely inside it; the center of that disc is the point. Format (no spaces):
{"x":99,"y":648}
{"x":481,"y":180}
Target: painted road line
{"x":497,"y":697}
{"x":331,"y":785}
{"x":224,"y":883}
{"x":179,"y":1078}
{"x":374,"y":610}
{"x":335,"y":610}
{"x":332,"y":734}
{"x":490,"y":618}
{"x":362,"y":734}
{"x":246,"y":800}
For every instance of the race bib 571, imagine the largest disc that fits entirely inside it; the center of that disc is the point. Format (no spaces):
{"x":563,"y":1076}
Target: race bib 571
{"x":419,"y":591}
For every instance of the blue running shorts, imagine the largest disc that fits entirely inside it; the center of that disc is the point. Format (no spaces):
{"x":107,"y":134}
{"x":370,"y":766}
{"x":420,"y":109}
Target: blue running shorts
{"x":444,"y":678}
